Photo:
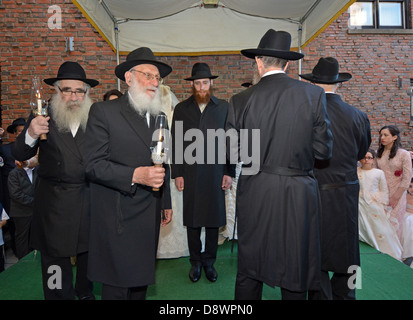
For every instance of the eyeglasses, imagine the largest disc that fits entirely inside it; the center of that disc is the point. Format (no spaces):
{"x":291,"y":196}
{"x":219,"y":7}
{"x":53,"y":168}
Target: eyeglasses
{"x":67,"y":92}
{"x":368,"y":158}
{"x":149,"y":76}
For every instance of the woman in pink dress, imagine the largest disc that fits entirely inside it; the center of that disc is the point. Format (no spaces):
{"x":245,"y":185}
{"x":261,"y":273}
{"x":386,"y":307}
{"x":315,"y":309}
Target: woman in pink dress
{"x":397,"y":166}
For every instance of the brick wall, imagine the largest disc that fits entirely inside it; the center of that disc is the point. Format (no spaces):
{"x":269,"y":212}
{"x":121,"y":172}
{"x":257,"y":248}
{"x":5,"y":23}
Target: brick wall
{"x":29,"y":47}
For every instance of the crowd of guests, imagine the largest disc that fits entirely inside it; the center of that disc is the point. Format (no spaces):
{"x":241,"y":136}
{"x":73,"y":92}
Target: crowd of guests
{"x":89,"y":194}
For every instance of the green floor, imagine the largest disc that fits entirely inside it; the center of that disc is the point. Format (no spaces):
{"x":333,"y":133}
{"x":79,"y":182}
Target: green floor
{"x":382,"y":278}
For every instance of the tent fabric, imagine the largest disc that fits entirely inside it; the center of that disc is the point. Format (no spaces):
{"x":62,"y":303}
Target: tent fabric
{"x":183,"y":27}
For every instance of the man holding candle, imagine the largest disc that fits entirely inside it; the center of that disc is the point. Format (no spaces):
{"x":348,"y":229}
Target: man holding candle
{"x":60,"y":222}
{"x":125,"y":210}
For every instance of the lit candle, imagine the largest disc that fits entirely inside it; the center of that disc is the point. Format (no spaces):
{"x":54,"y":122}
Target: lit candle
{"x":159,"y":148}
{"x":39,"y":106}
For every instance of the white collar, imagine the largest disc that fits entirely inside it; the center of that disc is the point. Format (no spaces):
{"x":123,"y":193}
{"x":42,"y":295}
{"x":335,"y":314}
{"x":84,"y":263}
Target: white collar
{"x":268,"y":73}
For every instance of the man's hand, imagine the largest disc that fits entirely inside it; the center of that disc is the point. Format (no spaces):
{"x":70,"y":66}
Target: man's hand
{"x":179,"y":183}
{"x":226,"y":182}
{"x":167,"y":218}
{"x":38,"y":126}
{"x":149,"y":176}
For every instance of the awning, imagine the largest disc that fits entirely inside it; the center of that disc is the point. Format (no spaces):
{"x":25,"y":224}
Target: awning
{"x":188,"y":27}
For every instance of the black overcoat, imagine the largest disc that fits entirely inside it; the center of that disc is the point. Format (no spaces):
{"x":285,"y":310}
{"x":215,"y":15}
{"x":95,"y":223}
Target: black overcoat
{"x":339,"y":187}
{"x":278,"y":211}
{"x":203,"y":197}
{"x":61,"y":202}
{"x":125,"y":218}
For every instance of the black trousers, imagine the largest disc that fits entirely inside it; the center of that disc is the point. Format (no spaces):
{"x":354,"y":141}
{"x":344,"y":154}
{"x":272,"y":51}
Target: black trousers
{"x":208,"y":257}
{"x":247,"y":288}
{"x":1,"y":258}
{"x":57,"y":274}
{"x":336,"y":288}
{"x":119,"y":293}
{"x":22,"y":225}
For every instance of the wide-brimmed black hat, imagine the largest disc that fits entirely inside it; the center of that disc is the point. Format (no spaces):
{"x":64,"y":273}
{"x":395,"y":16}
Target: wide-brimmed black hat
{"x":326,"y":72}
{"x":138,"y":56}
{"x":70,"y":70}
{"x":200,"y":70}
{"x":274,"y":44}
{"x":18,"y":122}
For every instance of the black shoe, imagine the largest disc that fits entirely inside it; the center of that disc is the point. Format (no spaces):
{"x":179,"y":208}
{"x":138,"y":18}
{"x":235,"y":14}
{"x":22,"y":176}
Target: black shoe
{"x":211,"y":273}
{"x":195,"y":273}
{"x":87,"y":297}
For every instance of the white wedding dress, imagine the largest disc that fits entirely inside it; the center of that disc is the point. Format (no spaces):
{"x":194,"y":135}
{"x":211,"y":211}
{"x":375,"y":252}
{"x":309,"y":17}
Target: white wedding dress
{"x":230,"y":205}
{"x":375,"y":228}
{"x":173,"y":242}
{"x":408,"y":229}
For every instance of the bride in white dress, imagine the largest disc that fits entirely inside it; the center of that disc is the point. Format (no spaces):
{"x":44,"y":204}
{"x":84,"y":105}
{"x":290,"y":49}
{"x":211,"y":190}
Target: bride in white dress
{"x":375,"y":228}
{"x":173,"y":241}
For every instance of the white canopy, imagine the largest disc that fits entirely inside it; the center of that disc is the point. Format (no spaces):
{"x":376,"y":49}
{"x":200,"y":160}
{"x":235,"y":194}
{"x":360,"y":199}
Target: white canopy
{"x":188,"y":27}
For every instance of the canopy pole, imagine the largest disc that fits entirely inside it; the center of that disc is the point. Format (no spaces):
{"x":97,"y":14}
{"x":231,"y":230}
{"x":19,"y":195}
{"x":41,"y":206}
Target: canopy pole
{"x":116,"y":29}
{"x":299,"y":42}
{"x":117,"y":48}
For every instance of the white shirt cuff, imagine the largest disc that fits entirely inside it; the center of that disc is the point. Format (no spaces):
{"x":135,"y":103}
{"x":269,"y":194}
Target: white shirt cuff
{"x":29,"y":140}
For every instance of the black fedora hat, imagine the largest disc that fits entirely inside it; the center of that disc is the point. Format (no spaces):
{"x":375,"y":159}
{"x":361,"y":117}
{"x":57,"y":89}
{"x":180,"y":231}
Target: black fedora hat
{"x":246,"y":84}
{"x":18,"y":122}
{"x":274,"y":44}
{"x":326,"y":72}
{"x":70,"y":70}
{"x":200,"y":70}
{"x":138,"y":56}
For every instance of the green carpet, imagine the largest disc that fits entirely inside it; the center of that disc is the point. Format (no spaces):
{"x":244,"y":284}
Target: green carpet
{"x":382,"y":278}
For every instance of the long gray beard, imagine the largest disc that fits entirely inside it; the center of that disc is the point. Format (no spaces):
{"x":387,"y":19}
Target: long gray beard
{"x":68,"y":114}
{"x":256,"y":75}
{"x":142,"y":103}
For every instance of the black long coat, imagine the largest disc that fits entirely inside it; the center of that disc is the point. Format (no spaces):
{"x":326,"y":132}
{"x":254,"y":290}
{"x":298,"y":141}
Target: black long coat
{"x":60,"y":222}
{"x":125,"y":218}
{"x":278,"y":214}
{"x":339,"y":187}
{"x":203,"y":197}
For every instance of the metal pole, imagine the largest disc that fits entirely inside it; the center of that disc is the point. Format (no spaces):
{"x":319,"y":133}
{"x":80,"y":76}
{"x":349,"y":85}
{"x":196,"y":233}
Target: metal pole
{"x":117,"y":48}
{"x":300,"y":34}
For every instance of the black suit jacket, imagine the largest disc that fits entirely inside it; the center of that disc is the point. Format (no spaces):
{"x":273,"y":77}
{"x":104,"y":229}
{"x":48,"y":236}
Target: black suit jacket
{"x":61,"y":209}
{"x":21,"y":191}
{"x":6,"y":154}
{"x":203,"y":197}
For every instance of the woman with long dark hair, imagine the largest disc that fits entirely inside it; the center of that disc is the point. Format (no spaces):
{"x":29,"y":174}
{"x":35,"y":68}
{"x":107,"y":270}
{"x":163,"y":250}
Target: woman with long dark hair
{"x":397,"y":166}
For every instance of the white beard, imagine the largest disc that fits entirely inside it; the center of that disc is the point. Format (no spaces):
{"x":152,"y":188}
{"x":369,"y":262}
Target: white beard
{"x":70,"y":114}
{"x":256,"y":75}
{"x":143,"y":103}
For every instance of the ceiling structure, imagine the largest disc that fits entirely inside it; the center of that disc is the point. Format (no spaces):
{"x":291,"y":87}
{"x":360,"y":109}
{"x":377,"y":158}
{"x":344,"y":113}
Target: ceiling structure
{"x":191,"y":27}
